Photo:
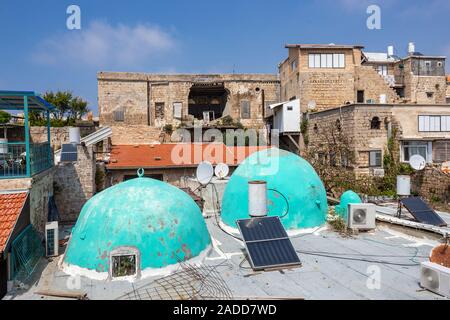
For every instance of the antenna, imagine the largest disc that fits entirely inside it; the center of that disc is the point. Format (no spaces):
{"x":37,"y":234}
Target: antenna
{"x":417,"y":162}
{"x":205,"y":172}
{"x":221,"y":171}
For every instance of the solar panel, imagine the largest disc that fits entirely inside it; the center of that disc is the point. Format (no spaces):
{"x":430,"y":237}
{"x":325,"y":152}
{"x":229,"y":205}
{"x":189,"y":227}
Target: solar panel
{"x":69,"y":153}
{"x":267,"y":243}
{"x":422,"y":212}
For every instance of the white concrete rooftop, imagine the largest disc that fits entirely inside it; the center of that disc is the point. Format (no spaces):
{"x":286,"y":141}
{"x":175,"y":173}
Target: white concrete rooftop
{"x":334,"y":267}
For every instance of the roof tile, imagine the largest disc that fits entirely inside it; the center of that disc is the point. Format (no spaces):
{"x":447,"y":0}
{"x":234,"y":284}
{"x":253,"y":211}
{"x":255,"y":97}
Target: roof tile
{"x":177,"y":155}
{"x":10,"y":208}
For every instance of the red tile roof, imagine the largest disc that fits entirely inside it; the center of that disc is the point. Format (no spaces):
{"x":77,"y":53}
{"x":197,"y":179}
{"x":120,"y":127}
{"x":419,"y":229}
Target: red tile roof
{"x":177,"y":155}
{"x":11,"y":205}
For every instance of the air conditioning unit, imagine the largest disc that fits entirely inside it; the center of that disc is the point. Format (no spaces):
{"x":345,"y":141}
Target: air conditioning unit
{"x":361,"y":216}
{"x":52,"y":239}
{"x":377,"y":172}
{"x":435,"y":278}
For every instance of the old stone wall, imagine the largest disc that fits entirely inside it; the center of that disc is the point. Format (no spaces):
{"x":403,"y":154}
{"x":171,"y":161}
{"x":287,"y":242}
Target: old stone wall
{"x":40,"y":188}
{"x":356,"y":124}
{"x":147,"y":101}
{"x":373,"y":85}
{"x":418,"y":88}
{"x":58,"y":135}
{"x":432,"y":184}
{"x":75,"y":184}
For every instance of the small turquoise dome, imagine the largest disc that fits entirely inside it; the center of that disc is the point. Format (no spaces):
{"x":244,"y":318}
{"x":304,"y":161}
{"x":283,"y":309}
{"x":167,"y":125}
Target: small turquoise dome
{"x":293,"y":178}
{"x":347,"y":197}
{"x":159,"y":220}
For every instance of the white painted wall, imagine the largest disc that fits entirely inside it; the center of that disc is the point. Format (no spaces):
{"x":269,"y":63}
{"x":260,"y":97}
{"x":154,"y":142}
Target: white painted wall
{"x":287,"y":117}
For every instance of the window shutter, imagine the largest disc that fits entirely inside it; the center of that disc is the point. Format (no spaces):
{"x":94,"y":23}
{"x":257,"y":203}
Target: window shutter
{"x":245,"y":109}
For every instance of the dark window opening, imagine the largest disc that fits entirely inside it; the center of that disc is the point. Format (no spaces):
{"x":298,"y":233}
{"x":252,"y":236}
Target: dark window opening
{"x":159,"y":110}
{"x":316,"y":128}
{"x":123,"y":266}
{"x":375,"y":159}
{"x":429,"y":95}
{"x":338,"y":124}
{"x":119,"y":115}
{"x":245,"y":109}
{"x":400,"y":92}
{"x":375,"y":123}
{"x":360,"y":96}
{"x":207,"y":100}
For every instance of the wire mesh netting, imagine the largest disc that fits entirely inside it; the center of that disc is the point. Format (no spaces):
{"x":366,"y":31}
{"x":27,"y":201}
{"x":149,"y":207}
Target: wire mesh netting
{"x":26,"y":251}
{"x":188,"y":283}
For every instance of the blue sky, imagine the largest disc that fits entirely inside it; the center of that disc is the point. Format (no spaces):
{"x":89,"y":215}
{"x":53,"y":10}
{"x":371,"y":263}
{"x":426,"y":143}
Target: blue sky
{"x":39,"y":53}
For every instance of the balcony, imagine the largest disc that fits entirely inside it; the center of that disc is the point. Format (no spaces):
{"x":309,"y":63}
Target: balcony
{"x":20,"y":157}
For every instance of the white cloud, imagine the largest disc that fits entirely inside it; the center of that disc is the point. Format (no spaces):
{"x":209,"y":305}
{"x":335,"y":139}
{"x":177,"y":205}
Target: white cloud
{"x":104,"y":45}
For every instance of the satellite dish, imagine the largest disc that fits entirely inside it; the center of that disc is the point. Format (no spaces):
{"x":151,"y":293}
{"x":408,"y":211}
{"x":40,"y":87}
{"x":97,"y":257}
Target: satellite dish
{"x":221,"y":170}
{"x":205,"y":172}
{"x":417,"y":162}
{"x":311,"y":105}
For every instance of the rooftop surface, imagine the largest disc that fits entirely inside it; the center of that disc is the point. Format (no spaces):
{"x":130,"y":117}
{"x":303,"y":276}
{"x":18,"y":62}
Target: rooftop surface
{"x":177,"y":155}
{"x":334,"y":267}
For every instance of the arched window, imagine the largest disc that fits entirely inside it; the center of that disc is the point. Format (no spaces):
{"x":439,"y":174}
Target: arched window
{"x":375,"y":123}
{"x":316,"y":128}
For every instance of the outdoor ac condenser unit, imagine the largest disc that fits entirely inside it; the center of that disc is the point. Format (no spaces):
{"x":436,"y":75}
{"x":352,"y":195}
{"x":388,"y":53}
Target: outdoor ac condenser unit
{"x":435,"y":278}
{"x":52,"y":239}
{"x":361,"y":216}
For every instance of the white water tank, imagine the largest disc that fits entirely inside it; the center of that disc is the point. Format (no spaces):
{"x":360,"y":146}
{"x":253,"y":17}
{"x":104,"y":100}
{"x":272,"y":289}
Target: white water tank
{"x":390,"y":51}
{"x":74,"y":135}
{"x":403,"y":185}
{"x":257,"y":198}
{"x":3,"y":146}
{"x":411,"y":48}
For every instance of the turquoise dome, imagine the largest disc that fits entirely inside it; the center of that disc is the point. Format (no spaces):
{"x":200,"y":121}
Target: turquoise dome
{"x":159,"y":220}
{"x":347,"y":197}
{"x":291,"y":176}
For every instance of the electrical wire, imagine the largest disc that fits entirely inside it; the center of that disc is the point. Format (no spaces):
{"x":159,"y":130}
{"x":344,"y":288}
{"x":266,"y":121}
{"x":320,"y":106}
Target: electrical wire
{"x":285,"y":199}
{"x":216,"y":215}
{"x":342,"y":257}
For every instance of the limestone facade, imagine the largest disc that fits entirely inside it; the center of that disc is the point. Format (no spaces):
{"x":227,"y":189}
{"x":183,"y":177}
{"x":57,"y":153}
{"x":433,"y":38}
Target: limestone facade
{"x":358,"y":122}
{"x":138,"y":106}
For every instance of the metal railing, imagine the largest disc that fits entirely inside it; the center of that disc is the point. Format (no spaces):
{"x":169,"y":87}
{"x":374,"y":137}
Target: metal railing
{"x":13,"y":159}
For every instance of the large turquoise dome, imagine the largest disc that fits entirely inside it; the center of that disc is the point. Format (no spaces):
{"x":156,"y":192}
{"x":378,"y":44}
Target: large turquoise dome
{"x":159,"y":221}
{"x":293,"y":178}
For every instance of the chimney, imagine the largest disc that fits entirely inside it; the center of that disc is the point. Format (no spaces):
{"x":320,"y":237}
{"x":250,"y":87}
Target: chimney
{"x":411,"y":48}
{"x":390,"y":51}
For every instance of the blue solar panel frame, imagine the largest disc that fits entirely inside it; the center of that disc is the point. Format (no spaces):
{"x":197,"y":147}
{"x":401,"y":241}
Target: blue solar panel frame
{"x":267,"y":243}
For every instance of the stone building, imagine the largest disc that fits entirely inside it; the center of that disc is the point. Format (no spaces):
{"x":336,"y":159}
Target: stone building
{"x":138,"y":106}
{"x":448,"y":90}
{"x":416,"y":78}
{"x":327,"y":76}
{"x":417,"y":129}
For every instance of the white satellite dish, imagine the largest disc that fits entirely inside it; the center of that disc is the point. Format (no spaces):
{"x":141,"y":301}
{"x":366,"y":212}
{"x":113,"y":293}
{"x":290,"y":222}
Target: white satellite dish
{"x":221,"y":170}
{"x":311,"y":105}
{"x":417,"y":162}
{"x":205,"y":172}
